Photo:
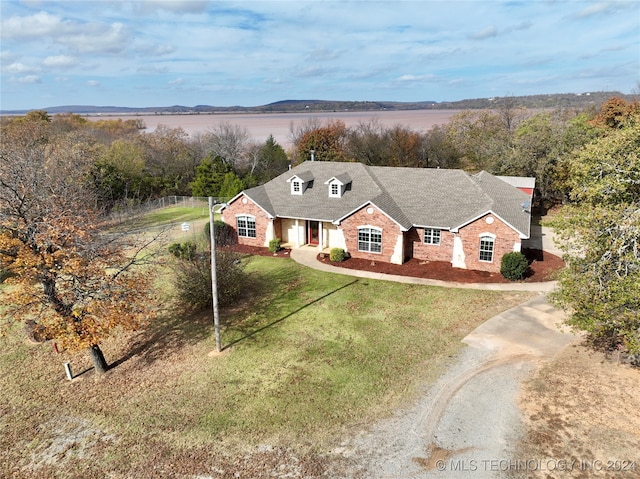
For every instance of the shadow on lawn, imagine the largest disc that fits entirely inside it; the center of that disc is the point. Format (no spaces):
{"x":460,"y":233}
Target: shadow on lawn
{"x":277,"y":321}
{"x":169,"y":332}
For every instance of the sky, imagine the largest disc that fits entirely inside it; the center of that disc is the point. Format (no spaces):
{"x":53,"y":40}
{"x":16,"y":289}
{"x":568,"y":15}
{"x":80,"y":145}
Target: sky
{"x":250,"y":53}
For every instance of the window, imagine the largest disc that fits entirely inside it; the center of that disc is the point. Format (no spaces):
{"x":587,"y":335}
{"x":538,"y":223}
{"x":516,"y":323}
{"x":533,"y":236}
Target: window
{"x":486,"y":248}
{"x":335,"y":189}
{"x":295,"y":188}
{"x":431,"y":236}
{"x":370,"y":240}
{"x":246,"y":226}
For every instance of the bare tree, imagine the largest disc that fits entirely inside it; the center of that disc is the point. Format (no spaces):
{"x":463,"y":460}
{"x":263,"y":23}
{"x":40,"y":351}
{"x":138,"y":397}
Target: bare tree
{"x":229,"y":142}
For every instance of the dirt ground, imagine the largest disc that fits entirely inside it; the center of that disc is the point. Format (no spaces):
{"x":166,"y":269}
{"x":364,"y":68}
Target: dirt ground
{"x":582,"y":414}
{"x":542,"y":266}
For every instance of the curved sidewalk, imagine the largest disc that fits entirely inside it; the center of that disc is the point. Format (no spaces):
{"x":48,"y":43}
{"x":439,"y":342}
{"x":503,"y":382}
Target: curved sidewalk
{"x":307,"y":256}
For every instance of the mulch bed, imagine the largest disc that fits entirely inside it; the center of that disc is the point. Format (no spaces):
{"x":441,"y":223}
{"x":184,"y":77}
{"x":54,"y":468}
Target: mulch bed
{"x":542,"y":266}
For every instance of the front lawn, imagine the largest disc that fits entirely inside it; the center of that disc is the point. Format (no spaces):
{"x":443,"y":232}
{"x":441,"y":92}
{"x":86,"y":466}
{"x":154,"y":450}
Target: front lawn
{"x":309,"y":357}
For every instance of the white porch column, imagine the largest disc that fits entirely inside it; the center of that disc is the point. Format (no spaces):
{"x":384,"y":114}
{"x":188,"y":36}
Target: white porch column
{"x":320,"y":236}
{"x":458,"y":259}
{"x":269,"y":235}
{"x":297,"y":233}
{"x":398,"y":250}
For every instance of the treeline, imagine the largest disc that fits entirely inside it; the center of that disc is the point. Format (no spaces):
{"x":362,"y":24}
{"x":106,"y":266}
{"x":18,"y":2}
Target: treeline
{"x":129,"y":166}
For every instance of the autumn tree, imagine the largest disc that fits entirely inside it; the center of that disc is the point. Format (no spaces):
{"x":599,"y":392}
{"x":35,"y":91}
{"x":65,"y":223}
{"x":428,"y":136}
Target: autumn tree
{"x":75,"y":284}
{"x":170,"y":160}
{"x":599,"y":232}
{"x":327,"y":143}
{"x":118,"y":174}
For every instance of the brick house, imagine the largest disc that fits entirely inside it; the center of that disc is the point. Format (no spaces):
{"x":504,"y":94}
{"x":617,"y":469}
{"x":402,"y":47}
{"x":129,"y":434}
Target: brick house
{"x":388,"y":214}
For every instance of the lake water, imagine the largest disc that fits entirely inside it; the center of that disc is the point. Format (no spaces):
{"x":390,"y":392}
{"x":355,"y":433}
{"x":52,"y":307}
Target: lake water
{"x":261,"y":125}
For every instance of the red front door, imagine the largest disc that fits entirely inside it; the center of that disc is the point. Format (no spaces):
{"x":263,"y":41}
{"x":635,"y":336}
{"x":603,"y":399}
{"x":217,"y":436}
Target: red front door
{"x":313,"y":232}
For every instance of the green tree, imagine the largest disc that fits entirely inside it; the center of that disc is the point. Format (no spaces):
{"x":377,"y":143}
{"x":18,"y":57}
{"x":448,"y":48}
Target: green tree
{"x":231,"y":185}
{"x":481,"y":138}
{"x":210,"y":176}
{"x":599,"y":232}
{"x":272,"y":160}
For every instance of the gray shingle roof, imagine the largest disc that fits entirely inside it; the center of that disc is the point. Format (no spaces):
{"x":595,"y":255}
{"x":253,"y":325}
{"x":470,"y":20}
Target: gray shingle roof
{"x":421,"y":197}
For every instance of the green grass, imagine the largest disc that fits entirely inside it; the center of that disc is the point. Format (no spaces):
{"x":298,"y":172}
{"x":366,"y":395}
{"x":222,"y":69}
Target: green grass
{"x":308,"y":356}
{"x":166,"y":216}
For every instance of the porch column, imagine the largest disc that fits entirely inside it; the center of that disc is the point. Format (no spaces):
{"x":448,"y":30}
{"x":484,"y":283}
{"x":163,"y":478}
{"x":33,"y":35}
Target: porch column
{"x":297,"y":233}
{"x":270,"y":233}
{"x":458,"y":258}
{"x":320,"y":236}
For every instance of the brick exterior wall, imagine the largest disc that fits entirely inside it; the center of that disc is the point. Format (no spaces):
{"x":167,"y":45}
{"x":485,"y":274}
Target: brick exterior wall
{"x":249,"y":208}
{"x":431,"y":252}
{"x":390,"y":232}
{"x":504,"y":242}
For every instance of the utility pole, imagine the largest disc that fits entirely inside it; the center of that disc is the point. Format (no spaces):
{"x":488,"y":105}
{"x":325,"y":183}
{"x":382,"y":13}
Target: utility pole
{"x":214,"y":281}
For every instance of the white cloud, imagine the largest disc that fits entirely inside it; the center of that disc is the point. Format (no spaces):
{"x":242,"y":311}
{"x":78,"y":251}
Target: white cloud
{"x":488,"y":32}
{"x":28,"y":79}
{"x":177,"y":81}
{"x":20,"y":68}
{"x":97,"y":38}
{"x":59,"y":61}
{"x":173,"y":6}
{"x":33,"y":26}
{"x":416,"y":78}
{"x":93,"y":83}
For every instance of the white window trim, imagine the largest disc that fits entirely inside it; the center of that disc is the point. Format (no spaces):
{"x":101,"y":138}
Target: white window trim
{"x":370,"y":228}
{"x":493,"y":247}
{"x":338,"y":185}
{"x":424,"y":236}
{"x":296,"y":183}
{"x":255,"y":228}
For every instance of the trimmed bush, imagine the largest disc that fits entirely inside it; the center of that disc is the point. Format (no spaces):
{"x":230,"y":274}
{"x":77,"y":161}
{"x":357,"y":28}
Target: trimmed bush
{"x":336,"y":255}
{"x":224,"y":233}
{"x":514,"y":265}
{"x":274,"y":245}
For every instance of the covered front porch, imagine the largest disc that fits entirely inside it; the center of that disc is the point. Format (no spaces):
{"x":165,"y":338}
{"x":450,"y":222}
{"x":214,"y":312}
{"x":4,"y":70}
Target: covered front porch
{"x":314,"y":234}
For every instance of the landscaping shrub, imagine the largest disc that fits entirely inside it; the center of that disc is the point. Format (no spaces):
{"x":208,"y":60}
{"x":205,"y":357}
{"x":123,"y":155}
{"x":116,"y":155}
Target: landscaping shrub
{"x":274,"y":245}
{"x":336,"y":255}
{"x":193,"y":279}
{"x":185,"y":250}
{"x":514,"y":265}
{"x":224,"y":234}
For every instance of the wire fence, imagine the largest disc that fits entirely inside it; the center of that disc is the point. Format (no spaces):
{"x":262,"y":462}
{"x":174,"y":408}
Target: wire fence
{"x":126,"y":212}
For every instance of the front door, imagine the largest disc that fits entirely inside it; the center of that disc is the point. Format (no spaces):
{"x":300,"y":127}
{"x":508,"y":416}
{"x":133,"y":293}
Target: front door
{"x":313,"y":232}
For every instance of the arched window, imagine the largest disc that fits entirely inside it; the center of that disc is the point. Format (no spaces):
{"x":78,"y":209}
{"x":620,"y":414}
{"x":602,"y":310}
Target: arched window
{"x":369,"y":239}
{"x":486,"y":248}
{"x":246,"y":226}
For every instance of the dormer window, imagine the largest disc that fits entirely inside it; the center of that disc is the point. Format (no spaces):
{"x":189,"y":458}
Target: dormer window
{"x":299,"y":183}
{"x":338,"y":185}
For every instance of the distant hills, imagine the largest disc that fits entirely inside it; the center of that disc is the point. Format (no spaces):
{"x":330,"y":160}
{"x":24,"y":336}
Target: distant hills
{"x":566,"y":100}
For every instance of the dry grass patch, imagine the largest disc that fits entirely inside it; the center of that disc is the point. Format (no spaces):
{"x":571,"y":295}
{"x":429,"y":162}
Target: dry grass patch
{"x":584,"y":408}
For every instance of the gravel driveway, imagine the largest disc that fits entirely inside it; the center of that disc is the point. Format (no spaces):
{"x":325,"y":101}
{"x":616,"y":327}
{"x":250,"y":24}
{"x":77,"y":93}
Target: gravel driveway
{"x":466,"y":423}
